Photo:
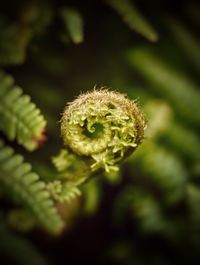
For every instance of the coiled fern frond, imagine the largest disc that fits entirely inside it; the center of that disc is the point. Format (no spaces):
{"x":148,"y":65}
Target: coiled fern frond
{"x":23,"y":186}
{"x":104,"y":126}
{"x":20,"y":119}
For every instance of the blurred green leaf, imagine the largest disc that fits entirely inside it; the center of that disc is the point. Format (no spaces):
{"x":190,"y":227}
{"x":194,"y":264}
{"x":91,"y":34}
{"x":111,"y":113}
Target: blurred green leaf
{"x":186,"y":41}
{"x":73,"y":23}
{"x":133,"y":18}
{"x":168,"y":83}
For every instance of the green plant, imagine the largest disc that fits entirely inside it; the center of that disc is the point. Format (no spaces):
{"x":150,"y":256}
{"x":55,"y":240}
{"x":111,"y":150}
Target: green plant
{"x":100,"y":128}
{"x":103,"y":125}
{"x":20,"y":118}
{"x":145,"y":211}
{"x":88,"y":126}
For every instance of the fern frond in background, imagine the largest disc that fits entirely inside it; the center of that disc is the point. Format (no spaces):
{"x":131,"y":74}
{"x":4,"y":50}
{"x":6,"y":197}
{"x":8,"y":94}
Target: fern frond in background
{"x":19,"y":246}
{"x":142,"y":206}
{"x":24,"y":187}
{"x":20,"y":119}
{"x":14,"y":42}
{"x":168,"y":83}
{"x":133,"y":18}
{"x":73,"y":23}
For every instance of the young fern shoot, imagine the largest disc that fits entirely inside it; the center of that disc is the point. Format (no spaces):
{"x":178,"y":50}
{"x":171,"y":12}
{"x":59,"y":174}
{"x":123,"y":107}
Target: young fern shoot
{"x":104,"y":126}
{"x":99,"y":128}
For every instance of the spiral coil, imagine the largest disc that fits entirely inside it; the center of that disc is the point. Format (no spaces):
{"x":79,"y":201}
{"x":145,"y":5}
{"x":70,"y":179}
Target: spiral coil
{"x":103,"y":125}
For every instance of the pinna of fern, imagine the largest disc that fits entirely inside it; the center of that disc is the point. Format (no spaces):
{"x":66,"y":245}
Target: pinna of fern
{"x":20,"y":119}
{"x":23,"y":186}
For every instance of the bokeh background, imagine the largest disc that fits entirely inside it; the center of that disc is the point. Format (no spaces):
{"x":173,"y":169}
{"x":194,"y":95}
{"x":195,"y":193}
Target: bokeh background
{"x":148,"y":213}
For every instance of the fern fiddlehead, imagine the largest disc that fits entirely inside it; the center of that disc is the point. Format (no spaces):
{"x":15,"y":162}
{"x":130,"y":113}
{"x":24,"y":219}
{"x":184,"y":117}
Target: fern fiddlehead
{"x":102,"y":125}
